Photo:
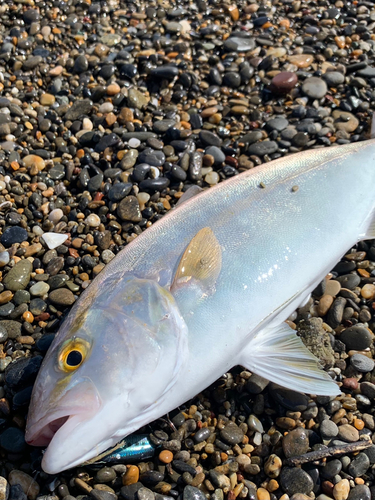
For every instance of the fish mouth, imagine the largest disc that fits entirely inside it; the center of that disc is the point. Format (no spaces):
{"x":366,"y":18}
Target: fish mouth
{"x":77,"y":405}
{"x":44,"y":435}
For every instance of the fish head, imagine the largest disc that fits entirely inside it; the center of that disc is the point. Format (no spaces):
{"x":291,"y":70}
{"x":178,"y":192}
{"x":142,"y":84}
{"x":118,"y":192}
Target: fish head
{"x":107,"y":371}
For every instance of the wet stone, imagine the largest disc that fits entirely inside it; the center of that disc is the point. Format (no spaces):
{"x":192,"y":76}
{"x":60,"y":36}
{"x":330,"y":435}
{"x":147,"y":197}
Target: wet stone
{"x":129,"y":492}
{"x":37,"y":306}
{"x":255,"y":424}
{"x":151,"y":477}
{"x":232,"y":434}
{"x":263,"y":148}
{"x":362,"y":363}
{"x":22,"y":371}
{"x":129,"y":210}
{"x":80,"y":107}
{"x":19,"y":276}
{"x":145,"y":494}
{"x":151,"y":157}
{"x":209,"y":138}
{"x":328,"y":429}
{"x":6,"y":310}
{"x":62,"y":297}
{"x":12,"y":328}
{"x":13,"y":235}
{"x":137,"y":99}
{"x":295,"y":443}
{"x":192,"y":493}
{"x":356,"y":337}
{"x":167,"y":72}
{"x":239,"y":44}
{"x":102,"y":494}
{"x":359,"y":466}
{"x":105,"y":475}
{"x":360,"y":492}
{"x":331,"y":469}
{"x":202,"y":435}
{"x":294,"y":480}
{"x":256,"y":384}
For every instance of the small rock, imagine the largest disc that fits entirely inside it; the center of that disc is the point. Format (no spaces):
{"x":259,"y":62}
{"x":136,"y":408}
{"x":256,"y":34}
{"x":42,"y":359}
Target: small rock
{"x":362,"y":363}
{"x":62,"y":297}
{"x":29,"y":486}
{"x":294,"y":480}
{"x":314,"y":87}
{"x":295,"y":443}
{"x":341,"y":490}
{"x":348,"y":433}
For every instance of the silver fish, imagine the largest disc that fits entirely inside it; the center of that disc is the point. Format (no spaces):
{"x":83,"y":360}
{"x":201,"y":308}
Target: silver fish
{"x":206,"y":288}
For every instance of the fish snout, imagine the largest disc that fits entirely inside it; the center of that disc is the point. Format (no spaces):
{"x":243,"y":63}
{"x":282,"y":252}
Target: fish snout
{"x":79,"y":402}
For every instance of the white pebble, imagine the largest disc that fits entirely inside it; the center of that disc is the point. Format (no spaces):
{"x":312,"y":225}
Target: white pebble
{"x":257,"y":439}
{"x":4,"y":258}
{"x":56,"y":215}
{"x":134,"y":143}
{"x":106,"y":107}
{"x":39,"y":289}
{"x":53,"y":240}
{"x":2,"y":185}
{"x":7,"y":178}
{"x":212,"y":178}
{"x":93,"y":220}
{"x":87,"y":124}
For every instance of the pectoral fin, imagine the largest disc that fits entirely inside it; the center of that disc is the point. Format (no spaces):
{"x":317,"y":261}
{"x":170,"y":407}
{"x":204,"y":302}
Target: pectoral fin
{"x":200,"y":263}
{"x":279,"y":355}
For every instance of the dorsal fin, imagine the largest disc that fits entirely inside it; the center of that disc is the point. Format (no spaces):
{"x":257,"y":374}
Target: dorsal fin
{"x":189,"y":193}
{"x":200,"y":262}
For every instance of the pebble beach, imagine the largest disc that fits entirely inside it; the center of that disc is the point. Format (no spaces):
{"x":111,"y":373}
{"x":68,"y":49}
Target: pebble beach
{"x":109,"y":112}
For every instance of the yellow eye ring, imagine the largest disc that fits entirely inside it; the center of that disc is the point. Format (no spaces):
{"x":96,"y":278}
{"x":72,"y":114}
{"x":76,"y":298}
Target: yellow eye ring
{"x":72,"y":354}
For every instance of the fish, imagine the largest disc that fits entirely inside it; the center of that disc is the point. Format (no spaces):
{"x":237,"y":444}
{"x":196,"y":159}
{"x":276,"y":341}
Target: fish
{"x":207,"y":287}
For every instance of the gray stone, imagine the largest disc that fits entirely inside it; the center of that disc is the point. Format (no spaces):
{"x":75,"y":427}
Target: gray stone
{"x":358,"y":467}
{"x":328,"y":429}
{"x":314,"y":87}
{"x":333,"y":78}
{"x":295,"y":480}
{"x":356,"y":337}
{"x":263,"y":148}
{"x":362,"y":363}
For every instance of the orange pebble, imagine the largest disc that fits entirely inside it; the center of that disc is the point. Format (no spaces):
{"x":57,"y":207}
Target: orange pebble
{"x":359,"y":424}
{"x":131,"y":476}
{"x":28,"y":317}
{"x":166,"y":456}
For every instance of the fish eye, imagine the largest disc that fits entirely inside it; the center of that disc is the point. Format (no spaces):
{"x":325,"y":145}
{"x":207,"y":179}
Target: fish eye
{"x":74,"y":358}
{"x":72,"y":354}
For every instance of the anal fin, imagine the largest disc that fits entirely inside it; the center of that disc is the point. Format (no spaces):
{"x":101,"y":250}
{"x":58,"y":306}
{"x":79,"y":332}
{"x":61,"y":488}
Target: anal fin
{"x":279,"y":355}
